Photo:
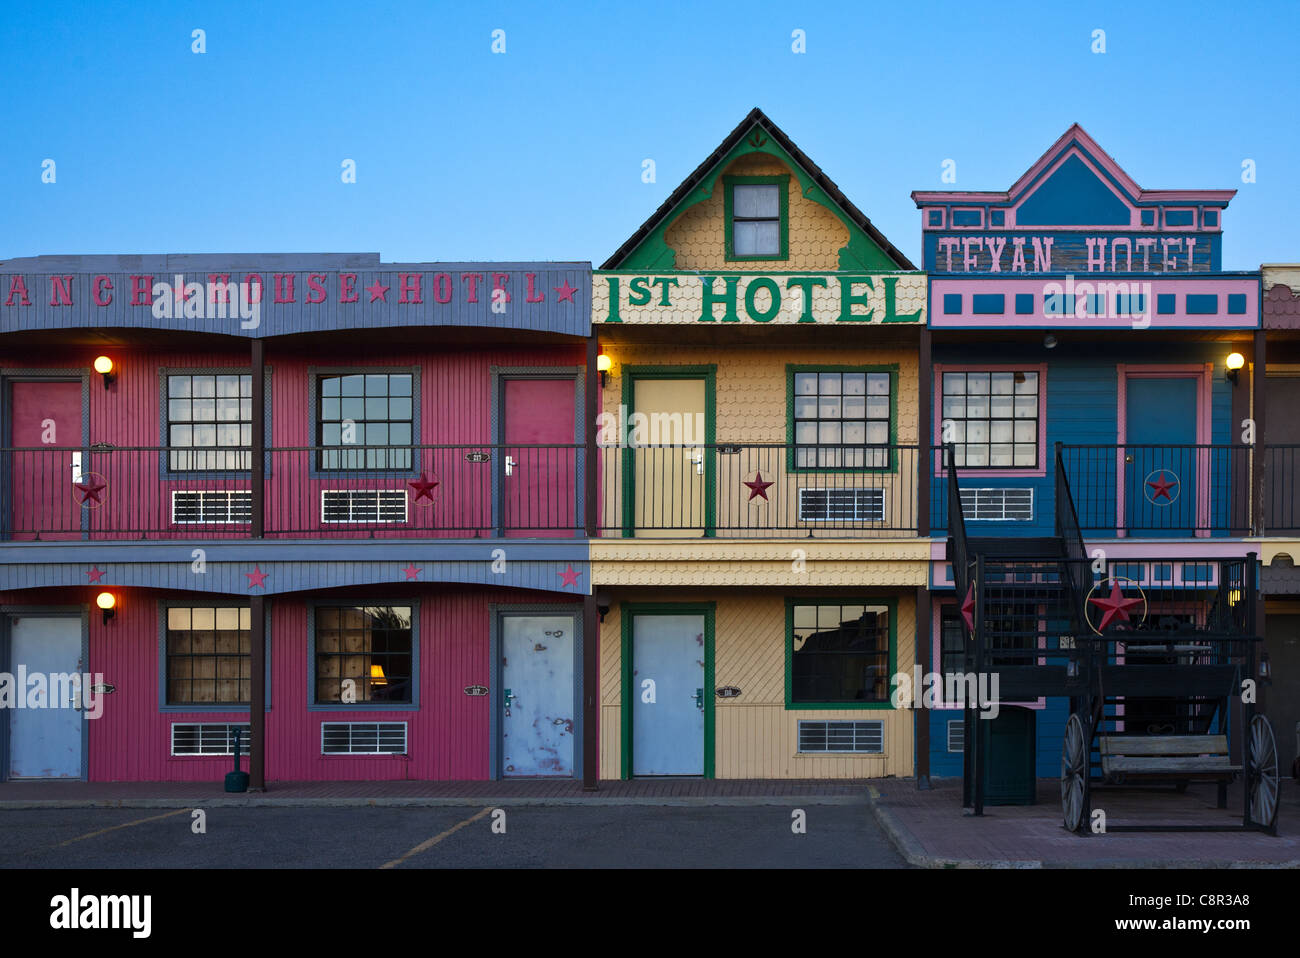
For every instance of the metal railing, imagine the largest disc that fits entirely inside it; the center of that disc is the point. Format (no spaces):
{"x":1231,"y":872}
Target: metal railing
{"x":104,"y":492}
{"x":1160,"y":490}
{"x":740,"y":490}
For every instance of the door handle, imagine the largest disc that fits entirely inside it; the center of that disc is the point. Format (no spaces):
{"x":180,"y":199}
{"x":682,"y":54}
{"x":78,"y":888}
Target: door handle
{"x":699,"y":698}
{"x":697,"y":457}
{"x":509,"y":697}
{"x":510,"y":465}
{"x":76,"y":467}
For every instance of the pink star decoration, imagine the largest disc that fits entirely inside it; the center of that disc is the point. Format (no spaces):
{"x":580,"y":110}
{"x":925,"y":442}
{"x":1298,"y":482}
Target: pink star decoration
{"x":1162,"y":487}
{"x":257,"y":577}
{"x":568,"y":577}
{"x":758,"y":488}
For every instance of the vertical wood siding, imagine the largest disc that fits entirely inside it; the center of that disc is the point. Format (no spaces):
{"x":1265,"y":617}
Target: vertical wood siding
{"x":455,"y":407}
{"x":447,"y":737}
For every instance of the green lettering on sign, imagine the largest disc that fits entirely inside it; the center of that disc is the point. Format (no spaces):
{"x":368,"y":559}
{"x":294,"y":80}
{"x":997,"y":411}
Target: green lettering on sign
{"x":613,"y":316}
{"x":728,"y":299}
{"x":891,"y":313}
{"x":638,"y":291}
{"x":848,"y":299}
{"x":762,"y":282}
{"x":806,"y":285}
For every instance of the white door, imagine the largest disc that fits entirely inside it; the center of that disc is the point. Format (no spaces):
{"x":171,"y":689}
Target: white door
{"x":537,"y":695}
{"x":45,"y":741}
{"x":668,"y":695}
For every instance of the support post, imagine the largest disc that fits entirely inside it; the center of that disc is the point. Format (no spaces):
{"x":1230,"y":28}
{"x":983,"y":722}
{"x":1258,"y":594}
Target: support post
{"x":257,"y":694}
{"x":977,"y":751}
{"x":1258,"y":401}
{"x":590,"y":694}
{"x":258,"y":440}
{"x":590,"y":613}
{"x":921,"y":717}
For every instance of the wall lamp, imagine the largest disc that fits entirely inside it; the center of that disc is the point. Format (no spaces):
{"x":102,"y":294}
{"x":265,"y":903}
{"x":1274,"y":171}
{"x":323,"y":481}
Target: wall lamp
{"x":1233,"y":365}
{"x":602,"y":604}
{"x":108,"y":603}
{"x":1049,"y":341}
{"x":604,"y":364}
{"x":104,"y":366}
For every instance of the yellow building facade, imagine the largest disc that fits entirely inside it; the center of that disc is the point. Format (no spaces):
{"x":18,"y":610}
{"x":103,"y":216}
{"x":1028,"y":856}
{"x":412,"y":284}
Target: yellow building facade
{"x":761,"y":541}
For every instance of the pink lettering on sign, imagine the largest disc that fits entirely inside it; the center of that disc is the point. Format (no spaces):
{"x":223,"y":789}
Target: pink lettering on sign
{"x":1018,"y":254}
{"x":472,"y":279}
{"x":60,"y":290}
{"x":141,"y":290}
{"x":316,"y":288}
{"x":284,"y":288}
{"x":18,"y":288}
{"x":254,"y":283}
{"x":948,"y":244}
{"x":995,"y":245}
{"x":219,"y":286}
{"x":499,"y":281}
{"x":533,"y":296}
{"x":971,"y":245}
{"x":347,"y":288}
{"x":442,"y":287}
{"x":102,"y":292}
{"x":410,"y":288}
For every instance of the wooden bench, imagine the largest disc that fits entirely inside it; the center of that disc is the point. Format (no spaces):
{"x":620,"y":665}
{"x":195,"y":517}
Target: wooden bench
{"x":1168,"y":758}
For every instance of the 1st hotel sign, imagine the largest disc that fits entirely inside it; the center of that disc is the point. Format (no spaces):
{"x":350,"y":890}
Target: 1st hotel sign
{"x":689,"y":298}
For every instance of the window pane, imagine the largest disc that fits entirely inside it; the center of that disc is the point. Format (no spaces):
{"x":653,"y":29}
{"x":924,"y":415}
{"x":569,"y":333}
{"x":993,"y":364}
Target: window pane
{"x":805,"y":384}
{"x":757,"y":239}
{"x":756,"y":201}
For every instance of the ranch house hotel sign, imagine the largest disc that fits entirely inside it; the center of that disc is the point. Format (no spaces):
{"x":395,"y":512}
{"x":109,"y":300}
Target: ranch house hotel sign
{"x":274,"y":294}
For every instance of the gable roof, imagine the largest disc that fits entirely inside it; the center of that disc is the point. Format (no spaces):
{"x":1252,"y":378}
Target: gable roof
{"x":1075,"y":136}
{"x":756,"y":118}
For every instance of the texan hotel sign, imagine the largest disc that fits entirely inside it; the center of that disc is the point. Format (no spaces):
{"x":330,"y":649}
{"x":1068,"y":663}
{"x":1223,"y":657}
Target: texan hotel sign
{"x":758,"y":298}
{"x":255,"y":302}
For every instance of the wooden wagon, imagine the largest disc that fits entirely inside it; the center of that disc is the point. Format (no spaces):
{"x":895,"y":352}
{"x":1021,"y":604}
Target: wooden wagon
{"x":1118,"y":668}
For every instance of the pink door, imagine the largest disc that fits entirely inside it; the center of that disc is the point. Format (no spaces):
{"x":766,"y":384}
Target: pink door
{"x":45,"y":426}
{"x":538,"y":474}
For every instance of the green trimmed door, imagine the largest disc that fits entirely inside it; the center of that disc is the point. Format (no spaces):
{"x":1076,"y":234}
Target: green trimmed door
{"x":668,"y":695}
{"x":671,"y":467}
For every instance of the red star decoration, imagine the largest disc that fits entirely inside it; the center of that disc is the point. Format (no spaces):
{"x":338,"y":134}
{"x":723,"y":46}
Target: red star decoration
{"x":423,"y":487}
{"x":377,"y":291}
{"x":412,"y":572}
{"x":1162,"y":487}
{"x":968,"y":607}
{"x":757,"y":488}
{"x":1115,"y":604}
{"x":95,"y":573}
{"x":89,"y":490}
{"x":257,"y":577}
{"x":564,"y":292}
{"x":568,"y":577}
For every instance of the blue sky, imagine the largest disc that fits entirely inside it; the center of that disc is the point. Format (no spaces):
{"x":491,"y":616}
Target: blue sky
{"x":537,"y":153}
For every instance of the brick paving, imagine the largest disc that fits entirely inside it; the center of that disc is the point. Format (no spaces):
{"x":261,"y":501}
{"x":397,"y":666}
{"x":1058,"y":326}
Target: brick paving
{"x":931,"y":829}
{"x":67,"y":794}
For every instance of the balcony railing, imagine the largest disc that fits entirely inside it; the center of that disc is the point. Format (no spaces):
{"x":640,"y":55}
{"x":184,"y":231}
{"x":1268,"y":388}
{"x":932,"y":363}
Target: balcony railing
{"x":1161,"y":490}
{"x":330,"y":492}
{"x":755,"y":490}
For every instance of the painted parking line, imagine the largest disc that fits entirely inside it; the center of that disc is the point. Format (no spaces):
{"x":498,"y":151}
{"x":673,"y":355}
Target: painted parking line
{"x":429,"y":843}
{"x":113,"y":828}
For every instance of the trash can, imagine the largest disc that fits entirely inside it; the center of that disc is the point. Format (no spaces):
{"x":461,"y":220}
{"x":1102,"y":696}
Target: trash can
{"x":1009,"y":743}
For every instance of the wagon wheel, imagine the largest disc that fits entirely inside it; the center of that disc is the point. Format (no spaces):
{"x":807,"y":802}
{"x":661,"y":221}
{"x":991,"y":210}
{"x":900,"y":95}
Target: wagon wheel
{"x":1261,"y":773}
{"x":1074,"y":773}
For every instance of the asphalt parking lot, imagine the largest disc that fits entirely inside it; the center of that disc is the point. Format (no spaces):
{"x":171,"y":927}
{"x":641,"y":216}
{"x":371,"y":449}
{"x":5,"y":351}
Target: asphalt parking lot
{"x":533,"y":836}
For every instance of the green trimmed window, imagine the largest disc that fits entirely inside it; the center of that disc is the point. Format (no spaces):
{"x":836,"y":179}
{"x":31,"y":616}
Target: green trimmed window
{"x":757,"y":214}
{"x":839,"y":653}
{"x":841,"y":419}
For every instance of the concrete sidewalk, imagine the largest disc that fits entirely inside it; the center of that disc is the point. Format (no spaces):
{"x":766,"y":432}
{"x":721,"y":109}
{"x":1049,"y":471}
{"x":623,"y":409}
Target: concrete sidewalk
{"x":930,"y":829}
{"x":667,"y":791}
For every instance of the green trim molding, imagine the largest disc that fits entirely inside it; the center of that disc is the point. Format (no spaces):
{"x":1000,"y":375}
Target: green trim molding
{"x":626,"y":612}
{"x":891,"y":603}
{"x":861,"y":253}
{"x":791,"y":369}
{"x":709,"y":373}
{"x":728,"y":214}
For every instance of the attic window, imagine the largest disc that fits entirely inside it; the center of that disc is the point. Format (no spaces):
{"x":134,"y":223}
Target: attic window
{"x":756,"y":217}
